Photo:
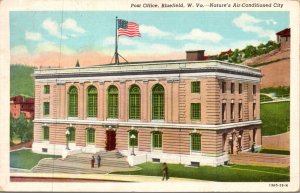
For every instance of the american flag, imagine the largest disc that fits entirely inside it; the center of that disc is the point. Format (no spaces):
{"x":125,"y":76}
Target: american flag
{"x":127,"y":28}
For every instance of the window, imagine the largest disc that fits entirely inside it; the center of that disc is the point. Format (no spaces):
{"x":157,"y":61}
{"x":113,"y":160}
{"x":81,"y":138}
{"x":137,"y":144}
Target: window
{"x":195,"y":111}
{"x":232,"y":88}
{"x":46,"y":89}
{"x":90,"y":136}
{"x":240,"y":111}
{"x":240,"y":88}
{"x":134,"y":102}
{"x":254,"y":109}
{"x":133,"y":142}
{"x":46,"y":108}
{"x":158,"y":103}
{"x":45,"y":133}
{"x":156,"y":140}
{"x":223,"y":111}
{"x":223,"y":87}
{"x":92,"y":102}
{"x":195,"y":142}
{"x":72,"y":134}
{"x":113,"y":106}
{"x":73,"y":102}
{"x":232,"y":111}
{"x":195,"y":87}
{"x":254,"y":89}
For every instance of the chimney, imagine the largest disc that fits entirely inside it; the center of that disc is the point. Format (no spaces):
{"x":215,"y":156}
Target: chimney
{"x":195,"y":55}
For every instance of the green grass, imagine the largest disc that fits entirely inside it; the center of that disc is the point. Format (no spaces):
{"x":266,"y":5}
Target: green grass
{"x":275,"y":151}
{"x":281,"y":91}
{"x":265,"y":98}
{"x":26,"y":159}
{"x":275,"y":118}
{"x":21,"y":82}
{"x":235,"y":173}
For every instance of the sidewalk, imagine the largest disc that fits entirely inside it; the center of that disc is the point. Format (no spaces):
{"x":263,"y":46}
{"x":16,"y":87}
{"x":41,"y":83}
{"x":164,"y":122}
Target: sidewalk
{"x":112,"y":177}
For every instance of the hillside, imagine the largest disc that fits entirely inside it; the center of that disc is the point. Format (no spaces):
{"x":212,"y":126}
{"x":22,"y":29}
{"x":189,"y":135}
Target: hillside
{"x":21,"y":82}
{"x":275,"y":67}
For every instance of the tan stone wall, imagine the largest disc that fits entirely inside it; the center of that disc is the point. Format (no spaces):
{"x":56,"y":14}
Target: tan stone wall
{"x":178,"y":99}
{"x":280,"y":141}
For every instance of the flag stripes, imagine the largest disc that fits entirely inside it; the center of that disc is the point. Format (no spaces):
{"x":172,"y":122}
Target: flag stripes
{"x":129,"y":29}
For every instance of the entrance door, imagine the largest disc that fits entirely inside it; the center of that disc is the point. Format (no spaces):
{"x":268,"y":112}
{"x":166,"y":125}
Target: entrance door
{"x":110,"y":140}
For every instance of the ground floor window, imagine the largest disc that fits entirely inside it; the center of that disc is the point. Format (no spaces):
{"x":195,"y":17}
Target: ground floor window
{"x":45,"y":133}
{"x":156,"y":140}
{"x":72,"y":134}
{"x":133,"y":141}
{"x":195,"y":142}
{"x":90,"y":136}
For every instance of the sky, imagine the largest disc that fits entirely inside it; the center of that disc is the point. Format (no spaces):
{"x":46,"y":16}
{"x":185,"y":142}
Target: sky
{"x":59,"y":39}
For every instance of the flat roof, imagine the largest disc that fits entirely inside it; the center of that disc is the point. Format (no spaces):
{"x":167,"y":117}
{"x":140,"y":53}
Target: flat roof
{"x":163,"y":67}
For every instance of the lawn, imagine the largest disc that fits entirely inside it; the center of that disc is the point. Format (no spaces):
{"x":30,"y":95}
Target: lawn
{"x":26,"y":159}
{"x":281,"y":91}
{"x":275,"y":118}
{"x":275,"y":151}
{"x":234,"y":173}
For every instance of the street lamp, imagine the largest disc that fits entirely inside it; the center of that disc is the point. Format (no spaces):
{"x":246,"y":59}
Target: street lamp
{"x":67,"y":136}
{"x":132,"y":137}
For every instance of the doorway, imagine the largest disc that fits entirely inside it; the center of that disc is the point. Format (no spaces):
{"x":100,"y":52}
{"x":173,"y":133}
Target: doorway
{"x":110,"y":140}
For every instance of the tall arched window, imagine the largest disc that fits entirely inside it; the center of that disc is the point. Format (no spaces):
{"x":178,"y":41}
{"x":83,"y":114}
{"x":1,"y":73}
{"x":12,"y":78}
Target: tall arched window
{"x":92,"y":101}
{"x":134,"y":102}
{"x":90,"y":136}
{"x":158,"y":102}
{"x":73,"y":102}
{"x":113,"y":106}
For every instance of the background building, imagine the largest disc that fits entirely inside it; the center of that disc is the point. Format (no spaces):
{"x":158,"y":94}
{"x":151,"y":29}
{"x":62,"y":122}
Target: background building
{"x":20,"y":104}
{"x":192,"y":112}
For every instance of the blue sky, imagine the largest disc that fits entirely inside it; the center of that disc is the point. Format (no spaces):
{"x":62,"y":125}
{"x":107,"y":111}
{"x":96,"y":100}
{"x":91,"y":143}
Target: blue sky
{"x":163,"y":33}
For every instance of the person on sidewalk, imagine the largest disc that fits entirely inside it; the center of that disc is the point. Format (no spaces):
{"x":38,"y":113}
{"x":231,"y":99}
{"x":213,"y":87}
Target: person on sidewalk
{"x":98,"y":160}
{"x":92,"y":161}
{"x":165,"y":171}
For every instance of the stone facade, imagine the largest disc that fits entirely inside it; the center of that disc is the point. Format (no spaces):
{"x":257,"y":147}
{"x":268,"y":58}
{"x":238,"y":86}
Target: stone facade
{"x":222,"y":131}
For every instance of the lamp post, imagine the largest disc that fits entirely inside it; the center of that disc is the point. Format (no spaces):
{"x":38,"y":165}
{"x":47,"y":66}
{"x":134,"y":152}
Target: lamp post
{"x":132,"y":137}
{"x":67,"y":136}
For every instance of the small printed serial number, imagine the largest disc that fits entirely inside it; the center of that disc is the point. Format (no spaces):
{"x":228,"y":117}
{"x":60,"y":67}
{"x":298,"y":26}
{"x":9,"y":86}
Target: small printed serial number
{"x":278,"y":185}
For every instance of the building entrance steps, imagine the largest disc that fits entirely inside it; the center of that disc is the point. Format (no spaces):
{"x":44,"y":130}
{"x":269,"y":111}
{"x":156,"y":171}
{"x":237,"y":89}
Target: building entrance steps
{"x":260,"y":159}
{"x":81,"y":164}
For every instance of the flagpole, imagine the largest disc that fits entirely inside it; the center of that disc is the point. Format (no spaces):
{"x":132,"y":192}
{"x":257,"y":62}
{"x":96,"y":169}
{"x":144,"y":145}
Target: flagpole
{"x":116,"y":43}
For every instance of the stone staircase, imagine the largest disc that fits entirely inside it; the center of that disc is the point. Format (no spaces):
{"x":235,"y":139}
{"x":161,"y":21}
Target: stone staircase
{"x":81,"y":164}
{"x":260,"y":159}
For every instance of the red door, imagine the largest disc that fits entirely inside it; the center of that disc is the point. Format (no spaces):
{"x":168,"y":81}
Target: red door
{"x":110,"y":140}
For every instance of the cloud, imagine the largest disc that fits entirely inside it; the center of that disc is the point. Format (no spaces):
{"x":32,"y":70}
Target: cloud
{"x":34,"y":36}
{"x":53,"y":28}
{"x":249,"y":23}
{"x":47,"y":46}
{"x":71,"y":24}
{"x":136,"y":46}
{"x":153,"y":31}
{"x":199,"y":35}
{"x":19,"y":50}
{"x":57,"y":30}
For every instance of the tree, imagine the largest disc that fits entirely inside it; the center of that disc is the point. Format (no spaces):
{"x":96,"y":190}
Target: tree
{"x":13,"y":128}
{"x":77,"y":64}
{"x":250,"y":51}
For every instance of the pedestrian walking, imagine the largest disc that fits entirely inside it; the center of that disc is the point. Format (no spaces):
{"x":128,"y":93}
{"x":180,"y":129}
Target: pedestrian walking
{"x":165,"y":171}
{"x":92,"y":161}
{"x":98,"y":160}
{"x":252,"y":148}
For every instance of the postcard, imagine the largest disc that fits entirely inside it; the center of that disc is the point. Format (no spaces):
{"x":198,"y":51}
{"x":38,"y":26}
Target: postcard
{"x":149,"y":96}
